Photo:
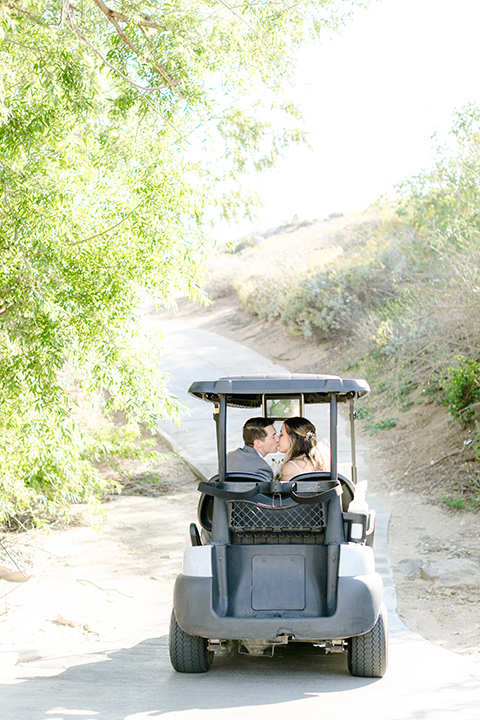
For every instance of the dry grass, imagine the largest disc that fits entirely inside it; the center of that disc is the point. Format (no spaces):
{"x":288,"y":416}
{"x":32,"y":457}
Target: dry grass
{"x":403,"y":344}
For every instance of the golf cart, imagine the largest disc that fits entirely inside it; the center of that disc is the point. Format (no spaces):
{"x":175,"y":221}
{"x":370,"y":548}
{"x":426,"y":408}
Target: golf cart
{"x":277,"y":562}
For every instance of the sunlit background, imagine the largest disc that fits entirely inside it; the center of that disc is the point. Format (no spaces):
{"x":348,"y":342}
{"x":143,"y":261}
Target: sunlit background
{"x":372,"y":98}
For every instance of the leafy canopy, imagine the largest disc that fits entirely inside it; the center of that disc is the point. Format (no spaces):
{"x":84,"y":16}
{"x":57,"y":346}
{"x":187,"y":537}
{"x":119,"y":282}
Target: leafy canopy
{"x":121,"y":126}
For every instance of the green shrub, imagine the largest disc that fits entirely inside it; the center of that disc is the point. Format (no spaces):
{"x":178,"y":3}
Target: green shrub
{"x":264,"y":296}
{"x":461,"y":388}
{"x":456,"y":503}
{"x":385,"y":424}
{"x":362,"y":413}
{"x":332,"y":300}
{"x":406,"y":388}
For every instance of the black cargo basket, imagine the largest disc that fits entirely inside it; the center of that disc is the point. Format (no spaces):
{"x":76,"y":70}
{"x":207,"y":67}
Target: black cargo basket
{"x":246,"y":516}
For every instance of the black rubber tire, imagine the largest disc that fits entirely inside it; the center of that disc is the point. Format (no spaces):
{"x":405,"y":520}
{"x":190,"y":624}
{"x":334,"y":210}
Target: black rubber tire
{"x":368,"y":654}
{"x":188,"y":653}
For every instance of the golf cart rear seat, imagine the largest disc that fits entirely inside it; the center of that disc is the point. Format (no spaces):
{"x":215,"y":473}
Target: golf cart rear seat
{"x":273,"y":513}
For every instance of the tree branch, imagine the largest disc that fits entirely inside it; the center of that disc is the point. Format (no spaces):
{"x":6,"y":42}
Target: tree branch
{"x":437,"y":462}
{"x":108,"y":230}
{"x":16,"y":8}
{"x":141,"y":89}
{"x":99,"y":54}
{"x":242,"y":20}
{"x":7,"y":41}
{"x":114,"y":18}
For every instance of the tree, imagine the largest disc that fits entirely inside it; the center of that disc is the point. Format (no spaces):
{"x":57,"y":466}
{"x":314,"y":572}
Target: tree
{"x":443,"y":203}
{"x":122,"y":125}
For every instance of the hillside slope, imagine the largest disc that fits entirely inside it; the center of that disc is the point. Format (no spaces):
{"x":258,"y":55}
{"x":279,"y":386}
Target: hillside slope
{"x":340,"y":296}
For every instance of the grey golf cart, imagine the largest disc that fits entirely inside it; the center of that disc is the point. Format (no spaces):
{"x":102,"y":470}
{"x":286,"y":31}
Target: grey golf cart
{"x":279,"y":562}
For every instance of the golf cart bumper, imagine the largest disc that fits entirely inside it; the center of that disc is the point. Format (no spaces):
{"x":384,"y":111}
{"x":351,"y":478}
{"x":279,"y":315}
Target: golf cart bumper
{"x":358,"y":604}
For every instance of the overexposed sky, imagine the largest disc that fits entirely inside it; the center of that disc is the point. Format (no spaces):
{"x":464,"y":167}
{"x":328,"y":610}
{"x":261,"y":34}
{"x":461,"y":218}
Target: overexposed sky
{"x":372,"y":98}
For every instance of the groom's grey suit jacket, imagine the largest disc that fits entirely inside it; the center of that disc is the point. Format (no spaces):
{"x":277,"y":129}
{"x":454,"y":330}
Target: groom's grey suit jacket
{"x":247,"y":459}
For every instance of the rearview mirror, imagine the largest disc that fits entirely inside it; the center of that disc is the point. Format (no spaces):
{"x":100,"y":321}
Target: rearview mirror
{"x":283,"y":407}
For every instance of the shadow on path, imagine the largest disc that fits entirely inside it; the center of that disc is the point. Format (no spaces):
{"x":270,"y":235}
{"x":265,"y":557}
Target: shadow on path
{"x":139,"y":683}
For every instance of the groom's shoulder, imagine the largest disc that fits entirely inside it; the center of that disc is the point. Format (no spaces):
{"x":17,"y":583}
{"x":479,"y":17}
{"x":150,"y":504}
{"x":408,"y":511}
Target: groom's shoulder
{"x":246,"y":449}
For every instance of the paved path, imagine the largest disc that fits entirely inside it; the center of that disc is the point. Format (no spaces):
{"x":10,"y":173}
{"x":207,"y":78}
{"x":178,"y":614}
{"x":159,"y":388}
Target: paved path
{"x":134,"y":680}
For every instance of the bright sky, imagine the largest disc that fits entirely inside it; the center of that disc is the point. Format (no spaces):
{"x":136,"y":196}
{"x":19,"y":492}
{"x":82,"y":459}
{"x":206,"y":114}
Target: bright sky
{"x":372,"y":99}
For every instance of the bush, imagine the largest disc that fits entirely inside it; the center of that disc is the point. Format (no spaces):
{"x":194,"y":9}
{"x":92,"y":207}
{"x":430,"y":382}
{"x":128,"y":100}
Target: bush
{"x":332,"y":301}
{"x":263,"y":296}
{"x":461,"y":388}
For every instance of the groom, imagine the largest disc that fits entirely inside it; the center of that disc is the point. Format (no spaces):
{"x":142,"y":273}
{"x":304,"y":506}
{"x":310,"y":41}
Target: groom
{"x":260,"y":438}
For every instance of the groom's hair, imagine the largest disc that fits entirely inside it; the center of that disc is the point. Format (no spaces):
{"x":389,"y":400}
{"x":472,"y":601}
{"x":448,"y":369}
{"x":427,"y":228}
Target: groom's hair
{"x":254,"y":429}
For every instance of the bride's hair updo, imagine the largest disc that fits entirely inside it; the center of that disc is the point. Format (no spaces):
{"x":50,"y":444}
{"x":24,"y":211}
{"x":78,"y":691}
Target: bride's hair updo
{"x":303,"y":442}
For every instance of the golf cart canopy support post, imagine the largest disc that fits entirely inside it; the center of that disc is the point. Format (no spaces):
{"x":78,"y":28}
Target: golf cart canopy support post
{"x":220,"y":416}
{"x":334,"y":533}
{"x":353,"y":451}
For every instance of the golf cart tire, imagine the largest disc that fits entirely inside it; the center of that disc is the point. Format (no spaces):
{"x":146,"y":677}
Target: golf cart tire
{"x":188,"y":653}
{"x":368,"y":654}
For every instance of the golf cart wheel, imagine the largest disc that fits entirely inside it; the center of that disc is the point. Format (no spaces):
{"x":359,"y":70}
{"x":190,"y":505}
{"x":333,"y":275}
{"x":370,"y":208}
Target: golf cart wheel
{"x":368,"y":654}
{"x":188,"y":653}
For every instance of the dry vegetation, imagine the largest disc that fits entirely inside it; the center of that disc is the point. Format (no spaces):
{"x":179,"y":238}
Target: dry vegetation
{"x":356,"y":295}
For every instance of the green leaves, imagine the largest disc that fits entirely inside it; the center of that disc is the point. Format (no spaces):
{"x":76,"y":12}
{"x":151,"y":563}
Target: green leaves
{"x":121,"y":128}
{"x":444,"y":203}
{"x":461,"y":388}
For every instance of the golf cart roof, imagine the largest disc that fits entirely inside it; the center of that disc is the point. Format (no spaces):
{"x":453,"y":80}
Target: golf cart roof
{"x":248,"y":390}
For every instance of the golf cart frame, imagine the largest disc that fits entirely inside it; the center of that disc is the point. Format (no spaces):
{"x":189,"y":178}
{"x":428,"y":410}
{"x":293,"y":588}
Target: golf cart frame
{"x":278,"y":562}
